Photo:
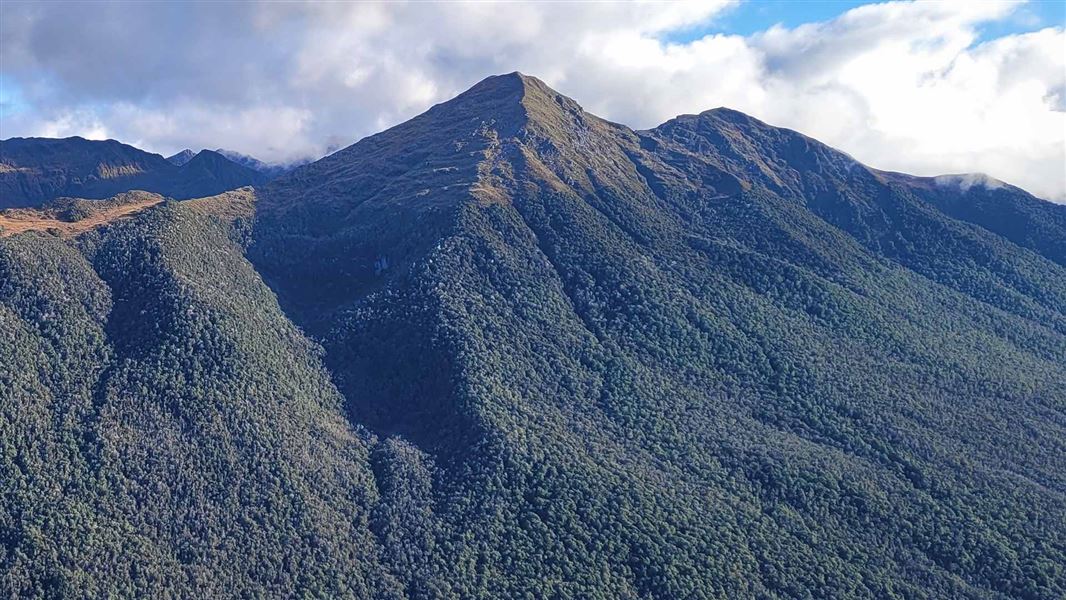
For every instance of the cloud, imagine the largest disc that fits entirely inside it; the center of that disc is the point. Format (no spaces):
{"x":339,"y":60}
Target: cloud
{"x":901,"y":86}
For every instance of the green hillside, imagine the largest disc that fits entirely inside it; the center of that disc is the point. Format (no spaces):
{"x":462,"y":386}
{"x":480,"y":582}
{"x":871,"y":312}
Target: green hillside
{"x":167,"y":430}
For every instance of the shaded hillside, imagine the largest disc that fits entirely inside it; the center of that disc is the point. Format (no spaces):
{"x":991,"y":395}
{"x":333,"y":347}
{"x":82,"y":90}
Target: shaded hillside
{"x":36,"y":170}
{"x":546,"y":356}
{"x":210,"y":173}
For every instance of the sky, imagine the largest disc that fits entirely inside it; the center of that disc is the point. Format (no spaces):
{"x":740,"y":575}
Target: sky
{"x":921,"y":87}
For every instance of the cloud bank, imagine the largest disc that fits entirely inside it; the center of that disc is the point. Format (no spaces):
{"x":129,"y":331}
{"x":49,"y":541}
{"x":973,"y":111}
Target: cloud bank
{"x":900,"y":86}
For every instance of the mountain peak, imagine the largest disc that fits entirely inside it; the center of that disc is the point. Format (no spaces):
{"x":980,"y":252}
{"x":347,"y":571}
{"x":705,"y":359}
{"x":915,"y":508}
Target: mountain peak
{"x":499,"y":99}
{"x":41,"y":169}
{"x":211,"y":164}
{"x":181,"y":158}
{"x":209,"y":156}
{"x":459,"y":144}
{"x":514,"y":82}
{"x":732,"y":115}
{"x":270,"y":170}
{"x":509,"y":101}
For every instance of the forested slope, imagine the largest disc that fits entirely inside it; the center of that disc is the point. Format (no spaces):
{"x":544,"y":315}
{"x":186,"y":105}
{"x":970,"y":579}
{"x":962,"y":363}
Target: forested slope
{"x":551,"y":357}
{"x":167,"y":432}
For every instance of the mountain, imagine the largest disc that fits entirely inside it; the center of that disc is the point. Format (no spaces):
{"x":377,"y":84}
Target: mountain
{"x":208,"y":173}
{"x":181,"y":158}
{"x":33,"y":170}
{"x":36,"y":170}
{"x":998,"y":207}
{"x":510,"y":349}
{"x":270,"y":170}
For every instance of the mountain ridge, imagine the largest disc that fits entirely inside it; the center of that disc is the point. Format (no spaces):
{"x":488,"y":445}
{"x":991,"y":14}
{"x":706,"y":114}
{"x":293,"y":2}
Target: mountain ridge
{"x":36,"y":170}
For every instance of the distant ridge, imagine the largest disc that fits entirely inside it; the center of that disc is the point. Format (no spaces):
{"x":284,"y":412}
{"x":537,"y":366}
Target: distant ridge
{"x":36,"y":170}
{"x":271,"y":170}
{"x":182,"y":157}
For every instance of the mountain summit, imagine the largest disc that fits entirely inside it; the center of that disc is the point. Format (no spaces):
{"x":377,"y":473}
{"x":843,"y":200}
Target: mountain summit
{"x":510,"y":349}
{"x":182,"y":157}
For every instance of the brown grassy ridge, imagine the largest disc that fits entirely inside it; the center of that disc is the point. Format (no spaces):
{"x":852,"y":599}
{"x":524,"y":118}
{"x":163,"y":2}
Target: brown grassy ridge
{"x":70,"y":217}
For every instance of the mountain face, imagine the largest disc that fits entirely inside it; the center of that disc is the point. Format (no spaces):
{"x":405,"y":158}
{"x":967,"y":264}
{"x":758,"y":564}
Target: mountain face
{"x":510,"y":349}
{"x":36,"y":170}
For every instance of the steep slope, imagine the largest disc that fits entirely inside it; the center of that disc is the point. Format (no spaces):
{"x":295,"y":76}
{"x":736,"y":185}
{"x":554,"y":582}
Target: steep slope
{"x":717,"y":359}
{"x":34,"y":171}
{"x":168,"y":432}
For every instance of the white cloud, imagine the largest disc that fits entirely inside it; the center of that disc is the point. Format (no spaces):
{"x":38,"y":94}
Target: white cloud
{"x":75,"y":122}
{"x":900,"y":86}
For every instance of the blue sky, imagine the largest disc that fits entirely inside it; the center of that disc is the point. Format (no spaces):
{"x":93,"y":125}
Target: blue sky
{"x":753,"y":16}
{"x":920,"y":87}
{"x":10,"y":96}
{"x":1027,"y":17}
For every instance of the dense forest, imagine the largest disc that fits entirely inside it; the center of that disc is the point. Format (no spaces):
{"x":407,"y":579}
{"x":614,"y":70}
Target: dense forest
{"x":510,"y":350}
